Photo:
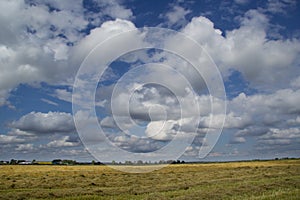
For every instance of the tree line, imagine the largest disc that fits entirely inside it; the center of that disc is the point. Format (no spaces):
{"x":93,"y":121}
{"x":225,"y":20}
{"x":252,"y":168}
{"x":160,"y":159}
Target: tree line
{"x":93,"y":162}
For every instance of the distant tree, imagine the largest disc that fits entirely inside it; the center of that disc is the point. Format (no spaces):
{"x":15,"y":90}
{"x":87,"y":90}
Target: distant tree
{"x":128,"y":162}
{"x":57,"y":162}
{"x":3,"y":162}
{"x":162,"y":162}
{"x":171,"y":161}
{"x":98,"y":163}
{"x":139,"y":162}
{"x":69,"y":162}
{"x":13,"y":162}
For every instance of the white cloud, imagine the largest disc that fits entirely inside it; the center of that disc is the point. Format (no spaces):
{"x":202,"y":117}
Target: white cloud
{"x":63,"y":142}
{"x":280,"y":6}
{"x":100,"y":34}
{"x":36,"y":44}
{"x":161,"y":130}
{"x":275,"y":133}
{"x":87,"y":128}
{"x":49,"y":102}
{"x":108,"y":122}
{"x":25,"y":147}
{"x":39,"y":45}
{"x":238,"y":140}
{"x":294,"y":121}
{"x":63,"y":94}
{"x":243,"y":2}
{"x":7,"y":139}
{"x":275,"y":142}
{"x":296,"y":82}
{"x":3,"y":97}
{"x":51,"y":122}
{"x":115,"y":10}
{"x":280,"y":102}
{"x":192,"y":151}
{"x":30,"y":57}
{"x":134,"y":144}
{"x":231,"y":121}
{"x":248,"y":50}
{"x":167,"y":130}
{"x":77,"y":153}
{"x":176,"y":16}
{"x":202,"y":29}
{"x":18,"y":132}
{"x":281,"y":137}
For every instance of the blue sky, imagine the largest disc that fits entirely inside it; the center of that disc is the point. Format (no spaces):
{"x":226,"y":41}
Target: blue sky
{"x":254,"y":44}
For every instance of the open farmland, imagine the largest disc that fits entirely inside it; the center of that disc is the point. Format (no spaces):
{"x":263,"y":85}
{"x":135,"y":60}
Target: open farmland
{"x":237,"y":180}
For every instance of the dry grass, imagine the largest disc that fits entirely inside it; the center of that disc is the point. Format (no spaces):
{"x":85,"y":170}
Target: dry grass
{"x":243,"y":180}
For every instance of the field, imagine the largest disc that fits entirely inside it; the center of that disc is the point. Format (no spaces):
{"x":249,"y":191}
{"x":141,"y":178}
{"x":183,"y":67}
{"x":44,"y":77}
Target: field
{"x":238,"y":180}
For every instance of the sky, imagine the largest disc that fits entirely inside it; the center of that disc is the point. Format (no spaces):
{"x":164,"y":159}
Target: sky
{"x":149,"y":80}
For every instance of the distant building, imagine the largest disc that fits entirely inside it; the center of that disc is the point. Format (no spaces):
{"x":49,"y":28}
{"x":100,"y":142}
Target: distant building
{"x":24,"y":162}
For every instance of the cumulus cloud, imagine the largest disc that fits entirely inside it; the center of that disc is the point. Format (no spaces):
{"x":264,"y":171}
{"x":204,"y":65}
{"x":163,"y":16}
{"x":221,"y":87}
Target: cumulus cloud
{"x":63,"y":142}
{"x":279,"y":134}
{"x":43,"y":123}
{"x":231,"y":121}
{"x":176,"y":17}
{"x":35,"y":42}
{"x":25,"y":147}
{"x":167,"y":130}
{"x":7,"y":139}
{"x":38,"y":38}
{"x":115,"y":10}
{"x":108,"y":122}
{"x":238,"y":140}
{"x":100,"y":34}
{"x":46,"y":42}
{"x":161,"y":130}
{"x":135,"y":144}
{"x":274,"y":120}
{"x":295,"y":121}
{"x":280,"y":102}
{"x":63,"y":94}
{"x":248,"y":50}
{"x":280,"y":6}
{"x":3,"y":97}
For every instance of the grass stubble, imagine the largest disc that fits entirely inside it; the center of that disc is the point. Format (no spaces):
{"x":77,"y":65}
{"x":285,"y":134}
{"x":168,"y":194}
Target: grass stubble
{"x":237,"y":180}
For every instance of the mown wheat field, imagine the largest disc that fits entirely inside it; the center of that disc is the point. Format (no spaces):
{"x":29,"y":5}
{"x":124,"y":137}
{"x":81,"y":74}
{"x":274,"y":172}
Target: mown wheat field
{"x":238,"y":180}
